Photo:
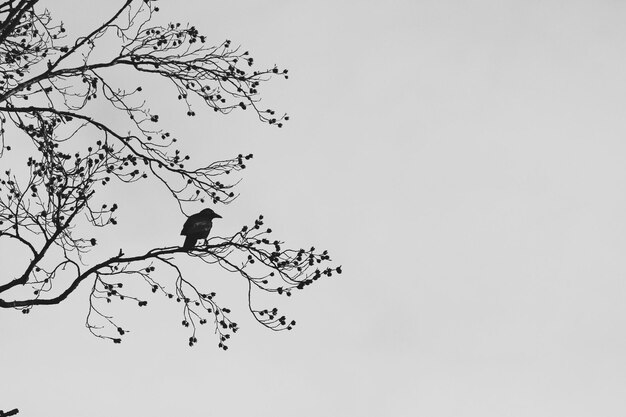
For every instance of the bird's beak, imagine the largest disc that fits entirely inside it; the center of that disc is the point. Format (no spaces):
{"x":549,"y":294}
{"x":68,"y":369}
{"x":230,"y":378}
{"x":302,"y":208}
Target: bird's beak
{"x":217,"y":215}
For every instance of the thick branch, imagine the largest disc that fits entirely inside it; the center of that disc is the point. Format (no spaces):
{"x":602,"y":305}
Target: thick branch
{"x":118,"y":259}
{"x":9,"y":413}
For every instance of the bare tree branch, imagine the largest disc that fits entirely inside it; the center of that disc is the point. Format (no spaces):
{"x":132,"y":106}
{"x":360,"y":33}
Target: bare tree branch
{"x":48,"y":87}
{"x":9,"y":413}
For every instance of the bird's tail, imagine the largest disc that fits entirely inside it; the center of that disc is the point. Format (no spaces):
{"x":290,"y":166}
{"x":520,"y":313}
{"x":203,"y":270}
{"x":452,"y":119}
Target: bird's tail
{"x":190,"y":242}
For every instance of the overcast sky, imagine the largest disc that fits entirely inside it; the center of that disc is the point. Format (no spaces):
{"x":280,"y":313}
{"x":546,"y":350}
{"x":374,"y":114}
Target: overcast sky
{"x":464,"y":161}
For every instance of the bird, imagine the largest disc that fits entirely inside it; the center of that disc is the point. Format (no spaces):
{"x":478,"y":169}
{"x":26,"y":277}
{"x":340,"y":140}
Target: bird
{"x":198,"y":226}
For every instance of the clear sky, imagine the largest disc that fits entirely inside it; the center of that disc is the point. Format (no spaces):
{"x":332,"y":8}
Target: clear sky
{"x":464,"y":161}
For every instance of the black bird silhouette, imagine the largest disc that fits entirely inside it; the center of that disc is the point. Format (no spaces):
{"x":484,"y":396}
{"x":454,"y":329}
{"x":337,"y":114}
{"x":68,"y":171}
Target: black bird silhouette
{"x":198,"y":226}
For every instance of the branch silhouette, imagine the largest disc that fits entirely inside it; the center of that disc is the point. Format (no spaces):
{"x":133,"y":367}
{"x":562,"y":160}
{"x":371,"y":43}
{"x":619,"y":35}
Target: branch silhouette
{"x":49,"y":203}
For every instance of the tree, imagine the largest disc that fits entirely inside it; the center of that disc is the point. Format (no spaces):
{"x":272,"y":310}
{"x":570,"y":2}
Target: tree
{"x":51,"y":207}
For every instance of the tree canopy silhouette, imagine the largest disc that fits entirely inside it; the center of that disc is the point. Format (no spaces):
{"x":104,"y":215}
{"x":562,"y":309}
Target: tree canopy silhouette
{"x":52,"y":92}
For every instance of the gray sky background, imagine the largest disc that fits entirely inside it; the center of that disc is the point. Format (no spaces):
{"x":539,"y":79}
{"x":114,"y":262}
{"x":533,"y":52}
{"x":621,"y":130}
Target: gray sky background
{"x":464,"y":162}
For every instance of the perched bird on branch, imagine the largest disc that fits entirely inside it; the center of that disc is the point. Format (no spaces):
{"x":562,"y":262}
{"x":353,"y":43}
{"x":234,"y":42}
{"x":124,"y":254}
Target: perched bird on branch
{"x":198,"y":226}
